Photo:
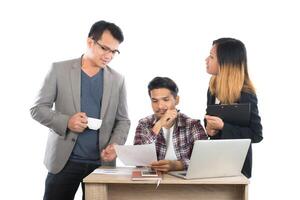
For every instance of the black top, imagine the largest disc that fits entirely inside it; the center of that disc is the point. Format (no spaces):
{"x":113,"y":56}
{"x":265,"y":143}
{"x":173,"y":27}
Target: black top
{"x":253,"y":131}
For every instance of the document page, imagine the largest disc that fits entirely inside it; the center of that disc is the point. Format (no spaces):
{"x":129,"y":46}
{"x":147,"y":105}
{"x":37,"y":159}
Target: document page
{"x":114,"y":171}
{"x":136,"y":155}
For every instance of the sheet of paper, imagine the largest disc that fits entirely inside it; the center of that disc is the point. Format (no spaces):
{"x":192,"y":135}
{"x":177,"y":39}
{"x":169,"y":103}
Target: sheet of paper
{"x":114,"y":171}
{"x":136,"y":155}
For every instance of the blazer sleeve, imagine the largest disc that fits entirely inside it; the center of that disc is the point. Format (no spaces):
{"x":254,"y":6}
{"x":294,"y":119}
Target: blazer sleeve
{"x":42,"y":110}
{"x":253,"y":131}
{"x":122,"y":122}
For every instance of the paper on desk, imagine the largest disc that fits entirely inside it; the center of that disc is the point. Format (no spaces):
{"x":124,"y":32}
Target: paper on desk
{"x":136,"y":155}
{"x":114,"y":171}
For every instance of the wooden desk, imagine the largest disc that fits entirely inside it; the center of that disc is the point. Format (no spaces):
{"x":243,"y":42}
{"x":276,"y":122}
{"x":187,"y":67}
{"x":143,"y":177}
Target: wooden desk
{"x":119,"y":187}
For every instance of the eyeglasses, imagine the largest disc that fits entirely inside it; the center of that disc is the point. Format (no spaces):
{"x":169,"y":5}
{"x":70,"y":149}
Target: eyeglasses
{"x":107,"y":49}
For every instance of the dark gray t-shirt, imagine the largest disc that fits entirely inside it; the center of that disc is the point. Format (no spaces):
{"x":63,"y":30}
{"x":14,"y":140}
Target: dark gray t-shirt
{"x":87,"y":145}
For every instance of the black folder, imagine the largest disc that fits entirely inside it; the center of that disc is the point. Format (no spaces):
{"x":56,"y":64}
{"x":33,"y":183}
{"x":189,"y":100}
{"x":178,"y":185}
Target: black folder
{"x":238,"y":114}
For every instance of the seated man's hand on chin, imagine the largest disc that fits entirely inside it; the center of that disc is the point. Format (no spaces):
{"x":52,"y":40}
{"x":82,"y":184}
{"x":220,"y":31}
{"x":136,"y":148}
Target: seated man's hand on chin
{"x":167,"y":165}
{"x":166,"y":121}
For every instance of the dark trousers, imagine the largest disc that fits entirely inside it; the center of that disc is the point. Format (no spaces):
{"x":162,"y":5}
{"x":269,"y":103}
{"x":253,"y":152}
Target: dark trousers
{"x":63,"y":185}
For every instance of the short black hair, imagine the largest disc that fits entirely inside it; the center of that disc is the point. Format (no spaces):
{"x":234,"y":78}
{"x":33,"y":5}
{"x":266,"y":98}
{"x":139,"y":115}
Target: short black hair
{"x":99,"y":27}
{"x":163,"y":82}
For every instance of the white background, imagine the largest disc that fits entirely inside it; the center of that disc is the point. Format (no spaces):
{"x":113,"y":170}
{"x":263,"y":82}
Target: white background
{"x":162,"y":38}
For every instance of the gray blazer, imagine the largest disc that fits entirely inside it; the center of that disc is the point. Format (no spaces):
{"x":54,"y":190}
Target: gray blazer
{"x":62,"y":88}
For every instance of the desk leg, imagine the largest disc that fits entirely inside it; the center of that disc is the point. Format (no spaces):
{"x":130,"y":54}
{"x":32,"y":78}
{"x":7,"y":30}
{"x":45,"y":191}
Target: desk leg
{"x":246,"y":192}
{"x":95,"y":191}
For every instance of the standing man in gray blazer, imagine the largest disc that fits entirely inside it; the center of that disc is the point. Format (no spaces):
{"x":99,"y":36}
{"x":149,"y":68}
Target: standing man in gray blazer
{"x":79,"y":89}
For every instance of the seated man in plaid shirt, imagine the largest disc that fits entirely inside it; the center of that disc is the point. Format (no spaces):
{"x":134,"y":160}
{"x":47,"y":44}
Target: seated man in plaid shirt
{"x":172,"y":132}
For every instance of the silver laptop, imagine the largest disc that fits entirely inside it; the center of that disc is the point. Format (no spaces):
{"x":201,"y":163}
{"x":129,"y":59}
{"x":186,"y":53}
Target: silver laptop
{"x":216,"y":158}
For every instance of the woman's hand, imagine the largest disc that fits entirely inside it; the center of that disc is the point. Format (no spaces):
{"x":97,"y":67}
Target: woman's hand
{"x":214,"y":125}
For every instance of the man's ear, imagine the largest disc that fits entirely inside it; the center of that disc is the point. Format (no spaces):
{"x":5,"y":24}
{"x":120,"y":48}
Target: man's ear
{"x":177,"y":100}
{"x":89,"y":42}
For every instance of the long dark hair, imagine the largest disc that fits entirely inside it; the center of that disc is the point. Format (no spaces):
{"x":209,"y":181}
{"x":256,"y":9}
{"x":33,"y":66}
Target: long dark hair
{"x":233,"y":74}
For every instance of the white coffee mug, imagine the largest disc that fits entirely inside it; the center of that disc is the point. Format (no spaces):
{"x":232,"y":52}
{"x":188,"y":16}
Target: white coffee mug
{"x":94,"y":123}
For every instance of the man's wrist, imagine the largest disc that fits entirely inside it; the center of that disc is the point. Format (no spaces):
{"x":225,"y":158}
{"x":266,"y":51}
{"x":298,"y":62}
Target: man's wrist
{"x":156,"y":128}
{"x":177,"y":165}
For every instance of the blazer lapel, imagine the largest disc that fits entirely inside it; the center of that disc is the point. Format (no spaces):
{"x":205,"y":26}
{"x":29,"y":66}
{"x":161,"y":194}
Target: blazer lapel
{"x":210,"y":98}
{"x":107,"y":86}
{"x":76,"y":83}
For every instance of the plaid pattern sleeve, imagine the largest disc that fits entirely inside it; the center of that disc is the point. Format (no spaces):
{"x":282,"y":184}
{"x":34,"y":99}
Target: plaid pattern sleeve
{"x":187,"y":132}
{"x":143,"y":132}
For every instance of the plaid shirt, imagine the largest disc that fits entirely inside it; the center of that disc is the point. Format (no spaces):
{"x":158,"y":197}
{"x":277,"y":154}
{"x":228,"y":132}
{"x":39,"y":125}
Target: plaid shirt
{"x":186,"y":131}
